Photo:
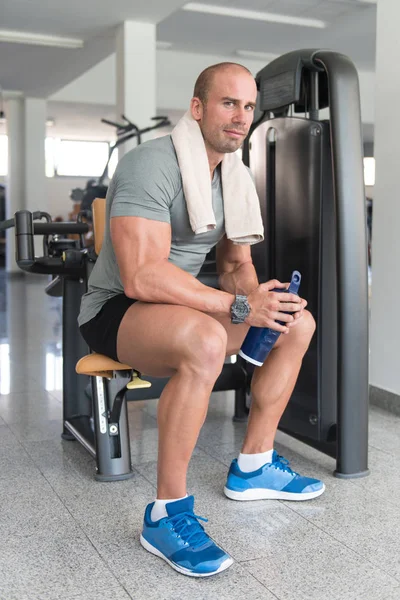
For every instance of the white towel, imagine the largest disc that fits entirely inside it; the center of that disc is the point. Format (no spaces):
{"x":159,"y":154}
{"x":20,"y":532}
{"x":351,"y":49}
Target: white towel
{"x":243,"y":221}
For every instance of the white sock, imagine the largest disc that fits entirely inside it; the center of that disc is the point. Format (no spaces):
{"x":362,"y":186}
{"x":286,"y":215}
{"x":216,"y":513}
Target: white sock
{"x":159,"y":511}
{"x":251,"y":462}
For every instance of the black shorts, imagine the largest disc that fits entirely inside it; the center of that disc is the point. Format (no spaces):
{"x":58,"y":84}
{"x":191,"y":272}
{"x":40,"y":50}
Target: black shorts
{"x":100,"y":333}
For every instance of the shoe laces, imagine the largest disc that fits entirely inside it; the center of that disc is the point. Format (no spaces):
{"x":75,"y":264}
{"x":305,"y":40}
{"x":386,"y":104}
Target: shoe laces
{"x":282,"y":463}
{"x":187,"y":526}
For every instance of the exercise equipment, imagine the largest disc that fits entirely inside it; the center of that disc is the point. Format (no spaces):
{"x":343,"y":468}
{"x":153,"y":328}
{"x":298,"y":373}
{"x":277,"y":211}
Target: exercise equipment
{"x":97,"y":420}
{"x":65,"y":261}
{"x":309,"y":177}
{"x":110,"y":381}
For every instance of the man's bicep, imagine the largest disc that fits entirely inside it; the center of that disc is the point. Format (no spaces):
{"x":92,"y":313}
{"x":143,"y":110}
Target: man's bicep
{"x":230,"y":256}
{"x":137,"y":241}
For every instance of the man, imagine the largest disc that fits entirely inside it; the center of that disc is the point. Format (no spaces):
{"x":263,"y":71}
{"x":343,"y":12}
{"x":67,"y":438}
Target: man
{"x":146,"y":308}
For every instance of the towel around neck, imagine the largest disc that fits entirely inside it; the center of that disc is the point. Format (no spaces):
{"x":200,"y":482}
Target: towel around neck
{"x":243,"y":220}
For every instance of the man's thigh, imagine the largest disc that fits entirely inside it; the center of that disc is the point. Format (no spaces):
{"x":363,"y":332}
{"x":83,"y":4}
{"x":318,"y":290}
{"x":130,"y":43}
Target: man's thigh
{"x":237,"y":333}
{"x":155,"y":338}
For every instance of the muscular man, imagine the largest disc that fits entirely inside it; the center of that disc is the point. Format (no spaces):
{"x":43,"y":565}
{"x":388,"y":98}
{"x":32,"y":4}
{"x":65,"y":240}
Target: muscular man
{"x":146,"y":308}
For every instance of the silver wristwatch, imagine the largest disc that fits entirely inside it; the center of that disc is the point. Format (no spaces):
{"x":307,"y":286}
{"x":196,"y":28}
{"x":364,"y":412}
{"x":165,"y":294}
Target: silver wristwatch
{"x":240,"y":309}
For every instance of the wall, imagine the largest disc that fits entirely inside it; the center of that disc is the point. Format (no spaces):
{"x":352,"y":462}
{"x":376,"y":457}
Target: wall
{"x":96,"y":86}
{"x":176,"y":74}
{"x":58,"y":192}
{"x":369,"y":149}
{"x":370,"y":191}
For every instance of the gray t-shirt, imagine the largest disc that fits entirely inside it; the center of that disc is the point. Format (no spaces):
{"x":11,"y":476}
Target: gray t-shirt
{"x":147,"y":183}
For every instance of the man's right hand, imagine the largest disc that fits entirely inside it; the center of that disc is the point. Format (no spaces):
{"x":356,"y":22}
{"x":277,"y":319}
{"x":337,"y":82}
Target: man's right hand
{"x":268,"y":307}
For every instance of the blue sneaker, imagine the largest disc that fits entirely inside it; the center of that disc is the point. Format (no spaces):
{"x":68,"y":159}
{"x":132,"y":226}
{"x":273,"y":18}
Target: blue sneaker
{"x":182,"y":542}
{"x":274,"y":480}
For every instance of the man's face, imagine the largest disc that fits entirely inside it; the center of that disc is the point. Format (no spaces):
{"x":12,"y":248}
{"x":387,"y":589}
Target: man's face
{"x":228,"y":113}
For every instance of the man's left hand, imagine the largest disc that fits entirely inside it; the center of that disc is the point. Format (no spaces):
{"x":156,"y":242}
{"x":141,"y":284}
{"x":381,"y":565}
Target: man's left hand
{"x":297,"y":315}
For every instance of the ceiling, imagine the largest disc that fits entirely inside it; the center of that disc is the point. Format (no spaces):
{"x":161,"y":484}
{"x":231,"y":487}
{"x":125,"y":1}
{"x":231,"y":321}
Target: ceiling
{"x":351,"y":29}
{"x":39,"y":71}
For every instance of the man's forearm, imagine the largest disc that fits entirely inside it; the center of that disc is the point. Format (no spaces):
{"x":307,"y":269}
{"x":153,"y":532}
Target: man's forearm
{"x":164,"y":283}
{"x":242,"y":280}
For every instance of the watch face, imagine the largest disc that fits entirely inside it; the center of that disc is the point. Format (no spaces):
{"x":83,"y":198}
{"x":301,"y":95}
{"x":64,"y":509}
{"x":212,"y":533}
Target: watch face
{"x":240,"y":309}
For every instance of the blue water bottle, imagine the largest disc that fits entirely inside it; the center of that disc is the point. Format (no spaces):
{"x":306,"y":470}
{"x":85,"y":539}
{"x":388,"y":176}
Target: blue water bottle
{"x":259,"y":340}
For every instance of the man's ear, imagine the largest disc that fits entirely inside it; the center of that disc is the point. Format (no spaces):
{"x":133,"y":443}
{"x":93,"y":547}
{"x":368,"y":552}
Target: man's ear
{"x":196,"y":108}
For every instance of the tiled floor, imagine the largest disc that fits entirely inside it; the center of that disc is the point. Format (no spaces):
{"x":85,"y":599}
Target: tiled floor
{"x":65,"y":535}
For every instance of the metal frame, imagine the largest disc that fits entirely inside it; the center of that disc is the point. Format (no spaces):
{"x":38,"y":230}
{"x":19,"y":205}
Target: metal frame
{"x":307,"y":81}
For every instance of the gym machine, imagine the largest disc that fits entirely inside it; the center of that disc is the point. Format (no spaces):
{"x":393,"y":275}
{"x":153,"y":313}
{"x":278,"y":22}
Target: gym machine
{"x":308,"y":173}
{"x":97,"y":419}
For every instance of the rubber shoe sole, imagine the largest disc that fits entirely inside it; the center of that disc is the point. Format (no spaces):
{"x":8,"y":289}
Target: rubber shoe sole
{"x":265,"y":494}
{"x":227,"y":563}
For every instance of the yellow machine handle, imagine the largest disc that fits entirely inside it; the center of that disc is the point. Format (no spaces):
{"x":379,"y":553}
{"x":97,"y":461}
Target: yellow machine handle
{"x":137,"y":382}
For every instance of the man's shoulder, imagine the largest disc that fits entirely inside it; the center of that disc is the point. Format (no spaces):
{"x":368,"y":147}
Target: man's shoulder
{"x":151,"y":168}
{"x":151,"y":160}
{"x":159,"y":144}
{"x":159,"y":149}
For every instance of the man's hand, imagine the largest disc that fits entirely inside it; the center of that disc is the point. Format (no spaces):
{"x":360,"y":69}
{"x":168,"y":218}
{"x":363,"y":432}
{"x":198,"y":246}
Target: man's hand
{"x":268,"y":307}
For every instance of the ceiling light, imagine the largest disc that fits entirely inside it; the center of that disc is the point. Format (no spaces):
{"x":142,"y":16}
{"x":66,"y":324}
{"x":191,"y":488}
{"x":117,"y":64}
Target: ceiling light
{"x":265,"y":56}
{"x":38,"y":39}
{"x":50,"y":122}
{"x":163,"y":45}
{"x":244,"y":13}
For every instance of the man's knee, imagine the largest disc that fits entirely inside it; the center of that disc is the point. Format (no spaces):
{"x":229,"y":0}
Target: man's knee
{"x":207,"y":342}
{"x":300,"y":335}
{"x":307,"y":323}
{"x":304,"y":329}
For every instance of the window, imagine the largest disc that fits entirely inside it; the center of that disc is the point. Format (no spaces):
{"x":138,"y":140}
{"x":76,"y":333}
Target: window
{"x":49,"y":156}
{"x":112,"y":165}
{"x":3,"y":155}
{"x":79,"y":159}
{"x":71,"y":158}
{"x":369,"y":171}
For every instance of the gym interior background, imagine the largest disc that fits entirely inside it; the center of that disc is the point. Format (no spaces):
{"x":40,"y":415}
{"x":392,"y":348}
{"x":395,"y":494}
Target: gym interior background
{"x":63,"y":68}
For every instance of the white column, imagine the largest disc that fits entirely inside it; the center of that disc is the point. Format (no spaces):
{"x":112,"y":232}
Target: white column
{"x":136,"y":75}
{"x":385,"y":321}
{"x":35,"y":173}
{"x":35,"y":134}
{"x":26,"y":181}
{"x":15,"y":181}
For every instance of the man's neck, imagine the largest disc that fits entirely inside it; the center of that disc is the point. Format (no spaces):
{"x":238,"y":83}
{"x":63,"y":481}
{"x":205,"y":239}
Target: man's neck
{"x":214,"y":158}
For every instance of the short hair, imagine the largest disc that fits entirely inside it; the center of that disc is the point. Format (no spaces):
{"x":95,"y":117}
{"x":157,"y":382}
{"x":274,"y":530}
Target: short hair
{"x":205,"y":79}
